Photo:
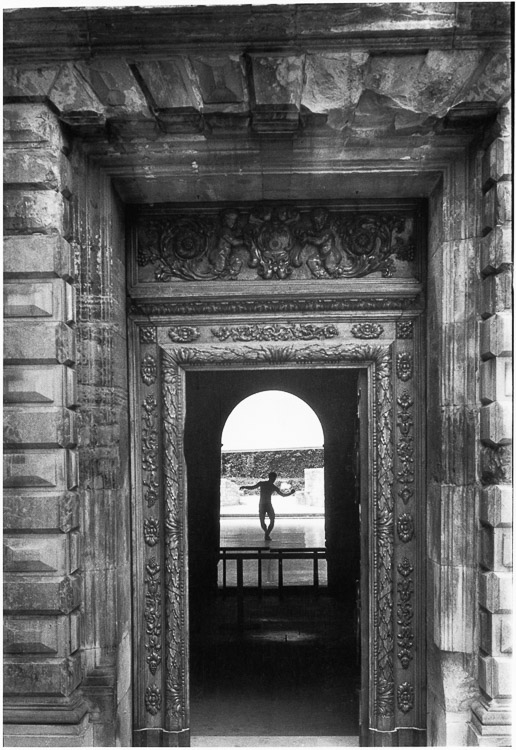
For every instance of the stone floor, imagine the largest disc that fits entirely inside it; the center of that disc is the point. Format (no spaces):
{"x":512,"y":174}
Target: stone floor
{"x":290,"y":679}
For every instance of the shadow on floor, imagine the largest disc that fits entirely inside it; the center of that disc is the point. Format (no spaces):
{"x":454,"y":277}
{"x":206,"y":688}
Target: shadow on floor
{"x":291,"y":672}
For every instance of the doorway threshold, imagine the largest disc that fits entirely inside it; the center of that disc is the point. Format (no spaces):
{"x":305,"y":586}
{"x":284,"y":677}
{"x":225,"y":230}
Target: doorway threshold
{"x":273,"y":741}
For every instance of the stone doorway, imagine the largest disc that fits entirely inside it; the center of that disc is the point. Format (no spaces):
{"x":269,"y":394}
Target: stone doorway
{"x":392,"y":653}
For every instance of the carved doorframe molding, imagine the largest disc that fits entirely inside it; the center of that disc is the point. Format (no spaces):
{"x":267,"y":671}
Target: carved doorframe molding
{"x":394,"y":619}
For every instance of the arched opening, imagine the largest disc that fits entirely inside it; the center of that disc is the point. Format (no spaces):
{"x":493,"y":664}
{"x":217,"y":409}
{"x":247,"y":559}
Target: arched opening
{"x":273,"y":431}
{"x":275,"y":662}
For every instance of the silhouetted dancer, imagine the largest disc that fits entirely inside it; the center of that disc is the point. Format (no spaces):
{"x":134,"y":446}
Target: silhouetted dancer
{"x":265,"y":508}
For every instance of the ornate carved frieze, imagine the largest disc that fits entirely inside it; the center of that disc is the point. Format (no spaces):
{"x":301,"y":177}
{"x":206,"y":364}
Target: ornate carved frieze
{"x":261,"y":306}
{"x":183,"y":334}
{"x":275,"y":332}
{"x":405,"y":613}
{"x":152,"y":614}
{"x":405,"y":445}
{"x":367,"y":330}
{"x":280,"y":242}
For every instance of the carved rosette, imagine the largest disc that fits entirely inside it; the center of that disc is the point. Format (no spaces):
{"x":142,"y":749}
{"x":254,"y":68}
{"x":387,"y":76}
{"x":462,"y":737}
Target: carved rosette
{"x":367,"y":330}
{"x":273,"y":243}
{"x":404,"y":365}
{"x":183,"y":334}
{"x":404,"y":329}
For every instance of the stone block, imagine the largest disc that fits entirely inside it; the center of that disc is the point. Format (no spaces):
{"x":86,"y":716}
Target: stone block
{"x":495,"y":380}
{"x":75,"y":99}
{"x":54,"y":676}
{"x":496,"y":423}
{"x":454,"y":599}
{"x":46,"y":427}
{"x":38,"y":343}
{"x":497,"y":205}
{"x":32,"y":123}
{"x":496,"y":293}
{"x":495,"y":591}
{"x":496,"y":505}
{"x":497,"y":164}
{"x":496,"y":336}
{"x":51,"y":299}
{"x":49,"y":469}
{"x":46,"y":636}
{"x":29,"y":211}
{"x":36,"y":169}
{"x":496,"y":250}
{"x":495,"y":676}
{"x":45,"y":511}
{"x":496,"y":547}
{"x":496,"y":464}
{"x":495,"y":633}
{"x":46,"y":384}
{"x":42,"y":594}
{"x":50,"y":734}
{"x":452,"y":524}
{"x":37,"y":256}
{"x":41,"y":553}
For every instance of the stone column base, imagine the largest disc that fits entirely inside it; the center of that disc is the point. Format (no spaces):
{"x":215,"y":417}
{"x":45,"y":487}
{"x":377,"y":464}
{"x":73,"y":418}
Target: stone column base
{"x":491,"y":725}
{"x":49,"y":735}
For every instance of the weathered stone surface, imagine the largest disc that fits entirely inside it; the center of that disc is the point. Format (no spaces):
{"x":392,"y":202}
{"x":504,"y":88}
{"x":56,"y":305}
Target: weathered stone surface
{"x":32,"y":123}
{"x":495,"y":591}
{"x":495,"y":633}
{"x":170,"y":84}
{"x":495,"y":676}
{"x":113,"y":82}
{"x":41,"y":553}
{"x":452,"y":524}
{"x":75,"y":99}
{"x":496,"y":548}
{"x":50,"y":734}
{"x":497,"y":208}
{"x":496,"y":423}
{"x":45,"y":511}
{"x":222,"y":82}
{"x":496,"y":250}
{"x":35,"y":343}
{"x":50,"y":384}
{"x":28,"y":211}
{"x":47,"y":427}
{"x":51,"y":299}
{"x":496,"y":464}
{"x":36,"y":169}
{"x":429,"y":83}
{"x":54,"y":676}
{"x":496,"y":505}
{"x":334,"y":83}
{"x":493,"y":83}
{"x":53,"y":469}
{"x":454,"y":600}
{"x":496,"y":336}
{"x":495,"y":380}
{"x":50,"y":636}
{"x":496,"y":293}
{"x":41,"y":594}
{"x":497,"y":163}
{"x":37,"y":255}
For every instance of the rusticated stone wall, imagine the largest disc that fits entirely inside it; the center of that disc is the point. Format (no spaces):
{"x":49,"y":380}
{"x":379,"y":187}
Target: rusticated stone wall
{"x":43,"y":582}
{"x":491,"y":714}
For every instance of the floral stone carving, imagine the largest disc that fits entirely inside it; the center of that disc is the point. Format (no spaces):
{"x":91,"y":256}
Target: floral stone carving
{"x":279,"y":243}
{"x":276,"y":332}
{"x":367,"y":330}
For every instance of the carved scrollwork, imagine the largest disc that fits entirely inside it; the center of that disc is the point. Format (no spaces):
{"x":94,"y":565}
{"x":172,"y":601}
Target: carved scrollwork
{"x":367,"y":330}
{"x":153,"y":699}
{"x":275,"y":332}
{"x":404,"y":365}
{"x":183,"y":334}
{"x":150,"y":450}
{"x":152,"y":614}
{"x":405,"y":445}
{"x":149,"y":369}
{"x":280,"y":243}
{"x":405,"y":613}
{"x":405,"y":696}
